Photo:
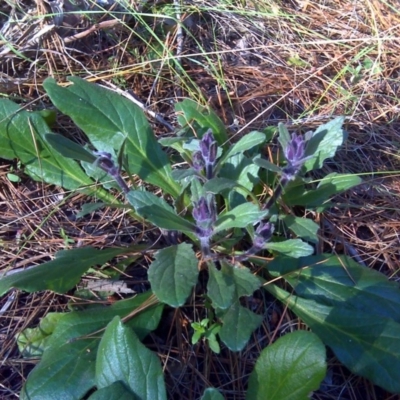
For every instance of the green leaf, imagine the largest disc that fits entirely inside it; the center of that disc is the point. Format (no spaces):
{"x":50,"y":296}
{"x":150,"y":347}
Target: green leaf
{"x":224,"y":289}
{"x":69,"y":149}
{"x":116,"y":391}
{"x":247,"y":142}
{"x":99,"y":175}
{"x":173,"y":274}
{"x":13,"y":178}
{"x":158,"y":211}
{"x":261,"y":162}
{"x":88,"y":208}
{"x":302,"y":227}
{"x":32,"y":341}
{"x":245,"y":282}
{"x":68,"y":364}
{"x":197,"y":190}
{"x":324,"y":143}
{"x":67,"y":373}
{"x":220,"y":286}
{"x":122,"y":357}
{"x":212,"y":394}
{"x":289,"y":369}
{"x":329,"y":186}
{"x":354,"y":310}
{"x":248,"y":176}
{"x":238,"y":324}
{"x":50,"y":116}
{"x":284,"y":136}
{"x":242,"y":170}
{"x":229,"y":283}
{"x":180,"y":174}
{"x":217,"y":185}
{"x":189,"y":111}
{"x":295,"y":248}
{"x":340,"y":279}
{"x":240,"y":217}
{"x":172,"y":141}
{"x":196,"y":336}
{"x":22,"y":136}
{"x":60,"y":274}
{"x":108,"y":119}
{"x":213,"y":344}
{"x":282,"y":265}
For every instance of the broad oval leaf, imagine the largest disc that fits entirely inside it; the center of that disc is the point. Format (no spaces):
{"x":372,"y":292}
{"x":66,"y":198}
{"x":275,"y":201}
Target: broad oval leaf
{"x":33,"y":341}
{"x":108,"y":118}
{"x":238,"y":325}
{"x":295,"y":248}
{"x":173,"y":274}
{"x":324,"y":143}
{"x":220,"y":286}
{"x":245,"y":282}
{"x":122,"y":357}
{"x":60,"y":274}
{"x":22,"y":136}
{"x":330,"y":279}
{"x":240,"y":217}
{"x":247,"y":142}
{"x":67,"y":373}
{"x":354,"y":310}
{"x":158,"y":211}
{"x":289,"y":369}
{"x":240,"y":169}
{"x":116,"y":391}
{"x":67,"y":368}
{"x":302,"y":227}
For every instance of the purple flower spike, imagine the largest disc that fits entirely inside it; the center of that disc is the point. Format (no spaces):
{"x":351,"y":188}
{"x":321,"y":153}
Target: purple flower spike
{"x":295,"y":149}
{"x":201,"y":212}
{"x":262,"y":235}
{"x":209,"y":149}
{"x":294,"y":153}
{"x":204,"y":211}
{"x":205,"y":215}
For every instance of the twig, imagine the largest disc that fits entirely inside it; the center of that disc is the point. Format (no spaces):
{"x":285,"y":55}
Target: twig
{"x":133,"y":99}
{"x":93,"y":28}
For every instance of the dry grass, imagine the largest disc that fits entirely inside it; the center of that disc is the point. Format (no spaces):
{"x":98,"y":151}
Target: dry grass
{"x":257,"y":63}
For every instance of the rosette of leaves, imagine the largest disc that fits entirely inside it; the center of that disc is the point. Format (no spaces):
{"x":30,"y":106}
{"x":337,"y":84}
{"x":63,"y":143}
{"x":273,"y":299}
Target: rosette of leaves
{"x":226,"y":226}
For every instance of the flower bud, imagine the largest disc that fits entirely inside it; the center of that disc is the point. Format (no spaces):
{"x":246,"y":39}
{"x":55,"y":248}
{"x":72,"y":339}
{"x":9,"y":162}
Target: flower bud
{"x":198,"y":161}
{"x":262,"y":235}
{"x":295,"y":149}
{"x":205,"y":214}
{"x":204,"y":210}
{"x":209,"y":151}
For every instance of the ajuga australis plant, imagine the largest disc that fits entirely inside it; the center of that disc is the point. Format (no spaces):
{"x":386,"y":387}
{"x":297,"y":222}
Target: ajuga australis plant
{"x":213,"y":207}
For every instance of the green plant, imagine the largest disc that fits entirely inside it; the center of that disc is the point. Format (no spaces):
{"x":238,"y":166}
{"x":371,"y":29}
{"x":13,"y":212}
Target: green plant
{"x":207,"y":329}
{"x":217,"y":203}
